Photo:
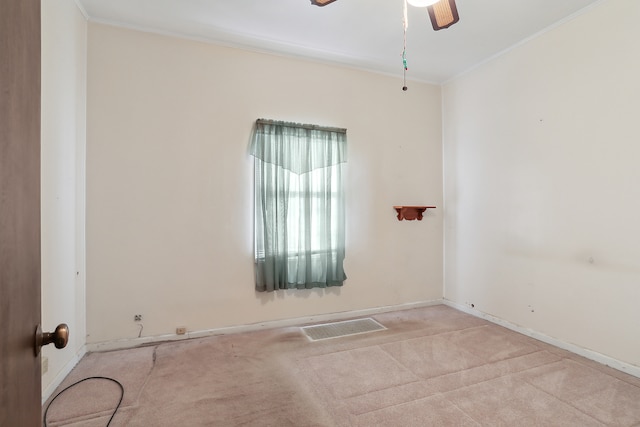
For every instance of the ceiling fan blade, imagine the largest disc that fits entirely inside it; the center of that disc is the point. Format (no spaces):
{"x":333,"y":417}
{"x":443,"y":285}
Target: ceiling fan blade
{"x":321,"y":2}
{"x":443,"y":14}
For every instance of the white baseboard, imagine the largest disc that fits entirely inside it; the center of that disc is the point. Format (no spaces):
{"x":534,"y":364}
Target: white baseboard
{"x":60,"y":376}
{"x":589,"y":354}
{"x":136,"y":342}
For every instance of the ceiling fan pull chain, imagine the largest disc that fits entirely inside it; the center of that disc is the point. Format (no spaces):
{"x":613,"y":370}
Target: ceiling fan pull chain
{"x":404,"y":71}
{"x":405,"y":25}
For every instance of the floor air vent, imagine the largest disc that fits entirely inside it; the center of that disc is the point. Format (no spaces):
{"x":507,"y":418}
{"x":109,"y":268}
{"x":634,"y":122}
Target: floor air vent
{"x":342,"y":329}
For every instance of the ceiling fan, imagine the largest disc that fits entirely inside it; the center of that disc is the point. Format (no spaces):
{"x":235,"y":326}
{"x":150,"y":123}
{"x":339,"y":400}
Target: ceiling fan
{"x":443,"y":13}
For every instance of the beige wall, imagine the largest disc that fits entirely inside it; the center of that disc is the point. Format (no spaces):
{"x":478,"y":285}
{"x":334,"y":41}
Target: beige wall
{"x":169,"y":183}
{"x":64,"y":35}
{"x":540,"y":153}
{"x":541,"y":183}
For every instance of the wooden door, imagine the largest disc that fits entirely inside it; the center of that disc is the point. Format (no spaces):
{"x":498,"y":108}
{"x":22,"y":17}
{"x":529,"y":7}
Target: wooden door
{"x":20,"y":380}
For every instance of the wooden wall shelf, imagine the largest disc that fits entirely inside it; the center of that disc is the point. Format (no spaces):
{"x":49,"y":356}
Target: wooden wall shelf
{"x":411,"y":212}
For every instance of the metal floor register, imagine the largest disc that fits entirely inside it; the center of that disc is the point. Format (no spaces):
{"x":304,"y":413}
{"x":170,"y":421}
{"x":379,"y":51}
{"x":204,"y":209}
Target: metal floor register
{"x":341,"y":329}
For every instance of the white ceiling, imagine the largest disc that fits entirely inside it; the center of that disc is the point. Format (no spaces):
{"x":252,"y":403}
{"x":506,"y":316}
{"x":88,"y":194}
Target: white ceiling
{"x":358,"y":33}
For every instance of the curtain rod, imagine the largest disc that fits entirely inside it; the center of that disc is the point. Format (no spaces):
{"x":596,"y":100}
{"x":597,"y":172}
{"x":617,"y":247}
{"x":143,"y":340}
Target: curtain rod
{"x":300,"y":125}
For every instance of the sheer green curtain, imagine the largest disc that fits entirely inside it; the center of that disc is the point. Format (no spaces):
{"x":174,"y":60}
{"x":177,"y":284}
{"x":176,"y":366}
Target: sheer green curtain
{"x":299,"y":205}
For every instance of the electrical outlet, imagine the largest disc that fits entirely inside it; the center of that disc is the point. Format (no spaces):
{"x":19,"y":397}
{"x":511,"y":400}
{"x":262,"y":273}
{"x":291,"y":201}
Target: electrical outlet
{"x":45,"y":365}
{"x":137,"y":317}
{"x":181,"y":330}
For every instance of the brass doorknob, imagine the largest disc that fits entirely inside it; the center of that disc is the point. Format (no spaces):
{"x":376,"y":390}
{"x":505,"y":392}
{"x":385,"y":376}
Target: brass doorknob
{"x":59,"y":337}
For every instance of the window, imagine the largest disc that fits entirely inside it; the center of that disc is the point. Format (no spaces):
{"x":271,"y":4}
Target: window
{"x":299,"y":217}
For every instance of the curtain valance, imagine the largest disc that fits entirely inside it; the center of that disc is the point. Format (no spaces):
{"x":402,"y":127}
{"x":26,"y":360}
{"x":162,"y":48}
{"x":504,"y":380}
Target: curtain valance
{"x":298,"y":148}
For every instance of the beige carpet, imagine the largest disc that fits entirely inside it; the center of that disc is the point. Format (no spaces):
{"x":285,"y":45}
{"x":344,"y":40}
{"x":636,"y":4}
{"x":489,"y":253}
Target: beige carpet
{"x":432,"y":366}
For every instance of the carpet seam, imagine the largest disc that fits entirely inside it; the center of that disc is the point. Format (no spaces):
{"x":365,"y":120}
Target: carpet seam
{"x":499,"y":376}
{"x":136,"y":401}
{"x":537,"y":350}
{"x":460,"y":409}
{"x":564,"y":401}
